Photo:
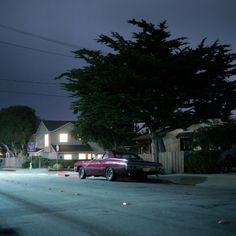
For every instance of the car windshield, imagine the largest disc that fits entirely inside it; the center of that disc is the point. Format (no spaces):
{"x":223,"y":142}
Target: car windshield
{"x":129,"y":156}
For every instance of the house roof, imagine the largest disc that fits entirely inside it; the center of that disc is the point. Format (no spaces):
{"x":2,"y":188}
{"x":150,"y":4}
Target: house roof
{"x":74,"y":148}
{"x":54,"y":124}
{"x":185,"y":135}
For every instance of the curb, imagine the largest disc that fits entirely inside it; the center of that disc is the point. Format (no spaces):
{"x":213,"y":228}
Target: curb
{"x":67,"y":174}
{"x":9,"y":169}
{"x":55,"y":170}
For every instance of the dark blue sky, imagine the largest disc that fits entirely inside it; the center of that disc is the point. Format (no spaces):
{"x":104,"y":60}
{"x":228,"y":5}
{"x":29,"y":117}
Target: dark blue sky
{"x":26,"y":75}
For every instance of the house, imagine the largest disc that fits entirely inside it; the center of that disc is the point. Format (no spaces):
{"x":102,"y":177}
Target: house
{"x":176,"y":144}
{"x":175,"y":140}
{"x":53,"y":140}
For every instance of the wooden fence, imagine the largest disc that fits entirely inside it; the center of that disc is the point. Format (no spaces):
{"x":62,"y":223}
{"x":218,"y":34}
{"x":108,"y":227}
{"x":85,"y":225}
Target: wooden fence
{"x":173,"y":162}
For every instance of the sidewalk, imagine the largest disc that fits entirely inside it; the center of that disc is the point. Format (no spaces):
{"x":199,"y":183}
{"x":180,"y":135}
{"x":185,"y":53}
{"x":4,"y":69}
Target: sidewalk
{"x":40,"y":171}
{"x":224,"y":181}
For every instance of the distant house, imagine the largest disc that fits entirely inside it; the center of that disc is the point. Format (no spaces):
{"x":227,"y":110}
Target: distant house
{"x":53,"y":140}
{"x":175,"y":140}
{"x":176,"y":145}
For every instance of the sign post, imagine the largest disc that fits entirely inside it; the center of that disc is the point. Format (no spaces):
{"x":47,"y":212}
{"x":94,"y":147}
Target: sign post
{"x":31,"y":147}
{"x":57,"y":149}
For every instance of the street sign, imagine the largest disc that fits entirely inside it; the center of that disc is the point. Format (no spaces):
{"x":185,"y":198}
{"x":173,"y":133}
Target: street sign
{"x":31,"y":146}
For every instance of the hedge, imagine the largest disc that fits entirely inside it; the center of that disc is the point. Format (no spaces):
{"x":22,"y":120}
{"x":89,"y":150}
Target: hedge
{"x":48,"y":163}
{"x":203,"y":162}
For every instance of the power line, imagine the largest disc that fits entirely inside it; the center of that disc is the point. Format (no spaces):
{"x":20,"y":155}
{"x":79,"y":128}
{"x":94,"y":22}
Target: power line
{"x":34,"y":94}
{"x":39,"y":36}
{"x":35,"y":49}
{"x":29,"y":82}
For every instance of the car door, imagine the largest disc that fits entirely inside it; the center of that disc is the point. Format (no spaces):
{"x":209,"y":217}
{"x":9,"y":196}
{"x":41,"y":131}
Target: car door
{"x":94,"y":166}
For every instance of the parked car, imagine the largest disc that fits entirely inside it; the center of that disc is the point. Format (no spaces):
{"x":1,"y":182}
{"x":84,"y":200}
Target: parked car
{"x":113,"y":164}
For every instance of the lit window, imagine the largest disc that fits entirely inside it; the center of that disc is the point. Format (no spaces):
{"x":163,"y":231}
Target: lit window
{"x":63,"y":138}
{"x":46,"y":140}
{"x":68,"y":157}
{"x":82,"y":156}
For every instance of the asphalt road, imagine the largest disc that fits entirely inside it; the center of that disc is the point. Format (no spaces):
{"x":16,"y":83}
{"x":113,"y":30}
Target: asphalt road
{"x":33,"y":204}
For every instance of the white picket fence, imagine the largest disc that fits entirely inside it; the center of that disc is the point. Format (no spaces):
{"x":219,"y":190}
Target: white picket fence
{"x":14,"y":162}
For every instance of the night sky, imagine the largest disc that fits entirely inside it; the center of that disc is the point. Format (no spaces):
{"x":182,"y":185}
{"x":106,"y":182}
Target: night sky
{"x":37,"y":38}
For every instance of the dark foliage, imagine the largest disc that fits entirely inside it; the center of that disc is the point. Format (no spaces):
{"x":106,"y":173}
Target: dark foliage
{"x":48,"y":163}
{"x":153,"y":79}
{"x":220,"y":137}
{"x":203,"y":162}
{"x":17,"y":124}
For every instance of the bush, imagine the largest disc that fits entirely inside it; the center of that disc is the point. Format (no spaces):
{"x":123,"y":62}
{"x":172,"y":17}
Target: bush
{"x":202,"y":162}
{"x":67,"y":163}
{"x":57,"y":166}
{"x":62,"y":164}
{"x":25,"y":164}
{"x":38,"y":161}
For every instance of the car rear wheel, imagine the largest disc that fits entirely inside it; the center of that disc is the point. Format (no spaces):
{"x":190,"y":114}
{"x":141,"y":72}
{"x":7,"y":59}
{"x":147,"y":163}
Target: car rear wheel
{"x":82,"y":174}
{"x":110,"y":174}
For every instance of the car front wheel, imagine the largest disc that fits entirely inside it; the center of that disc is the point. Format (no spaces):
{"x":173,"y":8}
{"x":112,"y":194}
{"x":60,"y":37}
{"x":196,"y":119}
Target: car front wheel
{"x":110,"y":174}
{"x":82,"y":174}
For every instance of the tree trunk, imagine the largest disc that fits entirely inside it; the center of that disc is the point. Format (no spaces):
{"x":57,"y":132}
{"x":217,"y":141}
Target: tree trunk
{"x":10,"y":153}
{"x":157,"y":145}
{"x":154,"y":147}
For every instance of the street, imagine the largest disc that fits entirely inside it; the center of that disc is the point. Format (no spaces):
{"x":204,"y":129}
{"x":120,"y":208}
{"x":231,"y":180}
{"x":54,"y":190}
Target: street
{"x":33,"y":204}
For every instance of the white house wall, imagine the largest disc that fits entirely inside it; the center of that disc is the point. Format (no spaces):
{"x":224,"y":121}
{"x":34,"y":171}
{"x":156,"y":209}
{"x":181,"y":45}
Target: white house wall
{"x":54,"y":136}
{"x":39,"y":135}
{"x":171,"y":143}
{"x":52,"y":154}
{"x":96,"y":147}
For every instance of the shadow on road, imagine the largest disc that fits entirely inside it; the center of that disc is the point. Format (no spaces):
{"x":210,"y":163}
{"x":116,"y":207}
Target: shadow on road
{"x":176,"y":180}
{"x":8,"y":232}
{"x":180,"y":180}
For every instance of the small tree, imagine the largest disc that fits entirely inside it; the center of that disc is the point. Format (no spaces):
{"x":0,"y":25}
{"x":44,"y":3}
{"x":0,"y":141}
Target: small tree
{"x":17,"y":124}
{"x":152,"y":78}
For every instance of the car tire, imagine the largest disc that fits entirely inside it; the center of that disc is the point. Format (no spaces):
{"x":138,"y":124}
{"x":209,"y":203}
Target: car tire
{"x":82,"y":174}
{"x":110,"y":174}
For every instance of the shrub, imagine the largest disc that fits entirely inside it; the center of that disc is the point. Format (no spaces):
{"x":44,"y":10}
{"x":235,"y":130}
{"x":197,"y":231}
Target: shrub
{"x":38,"y":161}
{"x":25,"y":164}
{"x":67,"y":163}
{"x":57,"y":166}
{"x":203,"y":162}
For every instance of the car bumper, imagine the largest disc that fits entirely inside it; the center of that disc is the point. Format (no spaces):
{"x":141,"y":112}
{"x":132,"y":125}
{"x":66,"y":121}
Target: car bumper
{"x":143,"y":170}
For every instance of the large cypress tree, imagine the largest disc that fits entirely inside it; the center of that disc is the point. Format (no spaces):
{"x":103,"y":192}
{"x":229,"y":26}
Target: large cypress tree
{"x":153,"y":79}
